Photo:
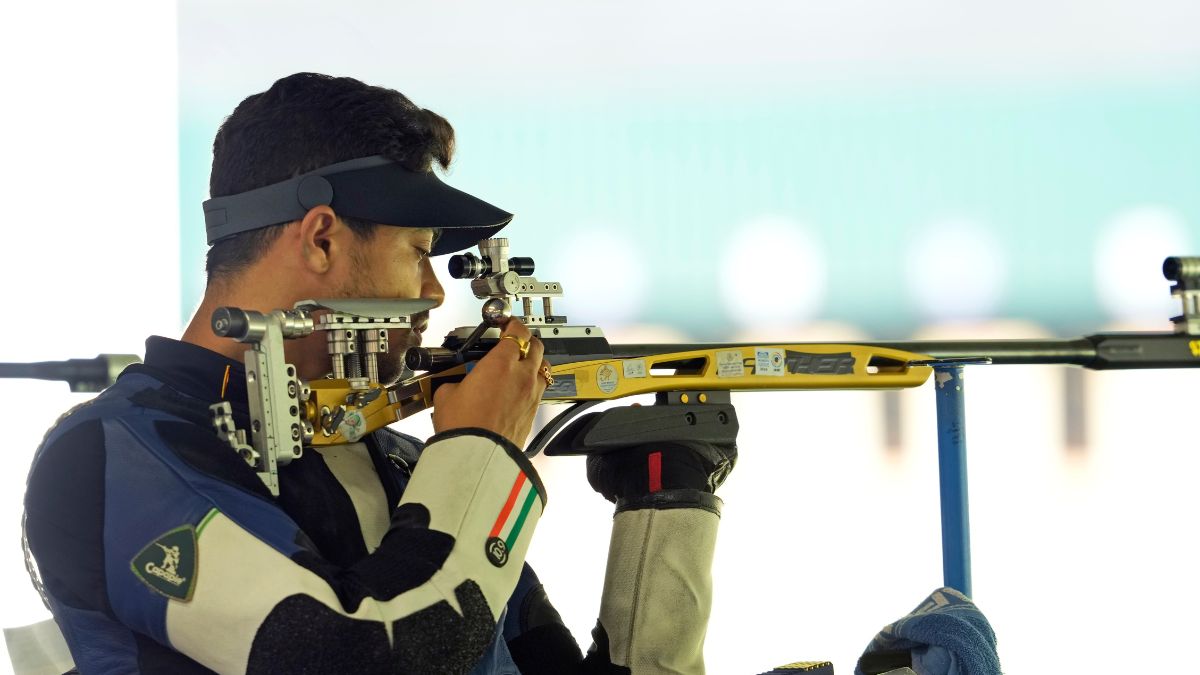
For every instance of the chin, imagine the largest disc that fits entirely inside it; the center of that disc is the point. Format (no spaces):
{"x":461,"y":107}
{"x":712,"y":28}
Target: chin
{"x":391,"y":365}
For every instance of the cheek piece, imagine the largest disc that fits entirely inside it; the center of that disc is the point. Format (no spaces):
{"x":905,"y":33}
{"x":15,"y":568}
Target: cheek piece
{"x":374,"y":189}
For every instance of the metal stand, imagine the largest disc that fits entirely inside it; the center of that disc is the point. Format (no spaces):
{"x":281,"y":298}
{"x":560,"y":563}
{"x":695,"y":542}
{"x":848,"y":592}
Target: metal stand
{"x":952,"y":470}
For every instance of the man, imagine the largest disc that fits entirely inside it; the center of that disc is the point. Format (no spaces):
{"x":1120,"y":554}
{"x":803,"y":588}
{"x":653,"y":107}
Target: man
{"x":159,"y":549}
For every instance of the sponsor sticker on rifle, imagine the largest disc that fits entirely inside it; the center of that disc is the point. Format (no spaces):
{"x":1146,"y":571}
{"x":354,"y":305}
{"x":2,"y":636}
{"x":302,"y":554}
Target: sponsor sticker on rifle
{"x":729,"y":363}
{"x":607,"y":378}
{"x":803,"y":363}
{"x":768,"y":362}
{"x":634,"y":368}
{"x":563,"y":387}
{"x":353,"y":426}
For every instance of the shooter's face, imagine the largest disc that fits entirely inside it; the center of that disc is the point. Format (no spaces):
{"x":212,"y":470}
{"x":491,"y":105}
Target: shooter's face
{"x":394,"y":263}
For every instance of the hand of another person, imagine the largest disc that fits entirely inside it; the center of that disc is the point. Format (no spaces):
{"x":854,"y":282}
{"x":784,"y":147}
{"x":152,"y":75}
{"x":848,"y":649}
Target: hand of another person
{"x":502,"y":391}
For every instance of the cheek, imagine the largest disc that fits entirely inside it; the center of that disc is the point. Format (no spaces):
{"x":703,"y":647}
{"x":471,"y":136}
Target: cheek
{"x":407,"y":284}
{"x":394,"y":281}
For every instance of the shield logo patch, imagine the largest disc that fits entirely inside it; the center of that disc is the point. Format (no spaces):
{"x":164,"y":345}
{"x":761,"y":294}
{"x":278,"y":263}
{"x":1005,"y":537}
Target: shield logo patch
{"x":168,"y":564}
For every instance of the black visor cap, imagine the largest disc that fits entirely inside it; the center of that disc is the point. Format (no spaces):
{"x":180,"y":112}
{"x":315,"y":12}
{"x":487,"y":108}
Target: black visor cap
{"x":374,"y":189}
{"x":419,"y":200}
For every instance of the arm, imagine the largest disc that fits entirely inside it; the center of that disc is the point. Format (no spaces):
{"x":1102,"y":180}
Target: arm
{"x":654,"y":608}
{"x":658,"y":587}
{"x":428,"y":599}
{"x":225,"y":577}
{"x":245,"y":594}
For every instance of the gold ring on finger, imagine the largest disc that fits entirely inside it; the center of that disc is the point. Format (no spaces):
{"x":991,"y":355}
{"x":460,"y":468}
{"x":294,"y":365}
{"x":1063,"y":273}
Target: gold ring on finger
{"x":522,"y":345}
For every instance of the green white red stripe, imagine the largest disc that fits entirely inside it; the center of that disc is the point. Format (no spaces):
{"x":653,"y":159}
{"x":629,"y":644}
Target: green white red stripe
{"x":516,"y":510}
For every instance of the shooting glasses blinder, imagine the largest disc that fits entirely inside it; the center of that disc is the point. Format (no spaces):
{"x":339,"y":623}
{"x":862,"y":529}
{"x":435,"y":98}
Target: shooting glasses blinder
{"x":374,"y":189}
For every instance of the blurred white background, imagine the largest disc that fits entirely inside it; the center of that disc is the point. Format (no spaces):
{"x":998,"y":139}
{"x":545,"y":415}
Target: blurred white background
{"x":703,"y":172}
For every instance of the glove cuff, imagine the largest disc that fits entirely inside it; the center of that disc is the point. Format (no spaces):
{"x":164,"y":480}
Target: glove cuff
{"x":672,"y":499}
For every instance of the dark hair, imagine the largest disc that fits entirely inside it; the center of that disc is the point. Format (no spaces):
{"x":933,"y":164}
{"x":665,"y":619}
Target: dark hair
{"x":306,"y":121}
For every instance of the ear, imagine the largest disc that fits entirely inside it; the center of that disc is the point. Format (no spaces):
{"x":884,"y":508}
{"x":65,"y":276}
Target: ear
{"x":322,"y":239}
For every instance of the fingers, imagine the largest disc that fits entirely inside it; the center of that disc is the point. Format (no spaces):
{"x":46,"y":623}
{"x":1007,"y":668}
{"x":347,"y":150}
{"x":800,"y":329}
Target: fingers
{"x":533,"y":355}
{"x":536,"y":350}
{"x":502,"y":392}
{"x":517,"y":329}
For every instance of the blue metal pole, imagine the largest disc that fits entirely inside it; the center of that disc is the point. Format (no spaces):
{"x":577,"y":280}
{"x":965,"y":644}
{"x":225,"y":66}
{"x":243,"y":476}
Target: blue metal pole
{"x":952,"y":470}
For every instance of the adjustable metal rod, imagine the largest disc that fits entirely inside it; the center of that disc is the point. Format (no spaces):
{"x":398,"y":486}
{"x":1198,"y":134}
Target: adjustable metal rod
{"x":83,"y":375}
{"x":952,"y":477}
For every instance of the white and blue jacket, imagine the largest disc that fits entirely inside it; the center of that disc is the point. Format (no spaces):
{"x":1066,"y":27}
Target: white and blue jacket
{"x":160,"y":551}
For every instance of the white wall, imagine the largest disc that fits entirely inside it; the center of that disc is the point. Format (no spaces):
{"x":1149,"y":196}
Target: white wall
{"x":88,"y":135}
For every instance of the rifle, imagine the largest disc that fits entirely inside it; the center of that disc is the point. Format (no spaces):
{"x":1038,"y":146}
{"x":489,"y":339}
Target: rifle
{"x":691,"y":382}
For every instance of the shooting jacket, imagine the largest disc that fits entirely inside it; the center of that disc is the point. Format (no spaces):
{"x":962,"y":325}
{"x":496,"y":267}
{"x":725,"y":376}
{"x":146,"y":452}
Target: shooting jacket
{"x":161,"y":551}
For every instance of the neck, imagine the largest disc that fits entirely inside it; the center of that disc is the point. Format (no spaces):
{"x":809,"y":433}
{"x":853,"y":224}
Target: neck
{"x":308,"y":354}
{"x":199,"y":330}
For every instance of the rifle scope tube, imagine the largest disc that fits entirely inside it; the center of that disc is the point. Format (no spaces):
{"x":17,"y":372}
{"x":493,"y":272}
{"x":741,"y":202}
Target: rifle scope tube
{"x":1180,"y":268}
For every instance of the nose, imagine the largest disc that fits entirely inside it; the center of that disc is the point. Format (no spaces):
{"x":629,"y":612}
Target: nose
{"x":431,"y":288}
